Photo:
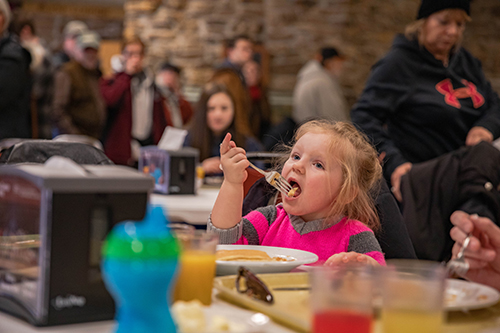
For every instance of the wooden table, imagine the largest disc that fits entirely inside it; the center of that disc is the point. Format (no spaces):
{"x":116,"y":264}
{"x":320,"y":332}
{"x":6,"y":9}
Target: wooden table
{"x":476,"y":321}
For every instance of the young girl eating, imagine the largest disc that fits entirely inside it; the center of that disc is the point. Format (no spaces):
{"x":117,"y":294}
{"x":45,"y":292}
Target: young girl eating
{"x":333,"y":168}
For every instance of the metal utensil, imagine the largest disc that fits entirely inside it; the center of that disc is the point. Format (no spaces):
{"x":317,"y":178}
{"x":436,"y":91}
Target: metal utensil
{"x":275,"y":179}
{"x":458,"y":265}
{"x":254,"y":287}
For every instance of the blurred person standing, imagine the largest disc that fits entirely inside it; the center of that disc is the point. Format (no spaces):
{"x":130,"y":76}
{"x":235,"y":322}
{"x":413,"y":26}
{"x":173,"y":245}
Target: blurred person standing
{"x":239,"y":94}
{"x":70,"y":33}
{"x":260,"y":111}
{"x":78,"y":105}
{"x":40,"y":55}
{"x":317,"y":93}
{"x":15,"y":82}
{"x":43,"y":76}
{"x":217,"y":114}
{"x":423,"y":102}
{"x":136,"y":110}
{"x":169,"y":84}
{"x":239,"y":51}
{"x":428,"y":96}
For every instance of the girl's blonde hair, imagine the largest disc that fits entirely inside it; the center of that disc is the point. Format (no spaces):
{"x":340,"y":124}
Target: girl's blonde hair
{"x":361,"y":169}
{"x":415,"y":30}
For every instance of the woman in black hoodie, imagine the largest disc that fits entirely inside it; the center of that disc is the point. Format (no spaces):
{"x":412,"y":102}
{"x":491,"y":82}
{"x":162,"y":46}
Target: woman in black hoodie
{"x":428,"y":96}
{"x":15,"y":82}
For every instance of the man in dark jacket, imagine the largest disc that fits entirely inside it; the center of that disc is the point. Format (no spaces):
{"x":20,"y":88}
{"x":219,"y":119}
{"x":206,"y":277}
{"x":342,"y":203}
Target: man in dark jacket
{"x":15,"y":85}
{"x":239,"y":51}
{"x":78,"y":104}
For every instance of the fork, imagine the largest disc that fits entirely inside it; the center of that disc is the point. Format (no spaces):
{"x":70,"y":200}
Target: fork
{"x":275,"y":179}
{"x":459,"y":266}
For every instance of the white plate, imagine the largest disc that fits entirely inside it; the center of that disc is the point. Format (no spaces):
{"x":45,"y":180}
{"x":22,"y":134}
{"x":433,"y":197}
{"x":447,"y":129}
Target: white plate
{"x":465,"y":295}
{"x":231,"y":267}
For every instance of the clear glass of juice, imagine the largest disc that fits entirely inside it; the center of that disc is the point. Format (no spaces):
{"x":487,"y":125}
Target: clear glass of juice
{"x":412,"y":296}
{"x":197,"y":266}
{"x":341,"y":299}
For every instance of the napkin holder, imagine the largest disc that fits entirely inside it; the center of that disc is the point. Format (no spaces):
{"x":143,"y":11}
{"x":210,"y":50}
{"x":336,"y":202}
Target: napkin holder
{"x":52,"y":225}
{"x":174,"y":171}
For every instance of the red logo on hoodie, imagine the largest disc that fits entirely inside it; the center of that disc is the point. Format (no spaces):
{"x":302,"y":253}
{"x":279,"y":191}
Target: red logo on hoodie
{"x":451,"y":96}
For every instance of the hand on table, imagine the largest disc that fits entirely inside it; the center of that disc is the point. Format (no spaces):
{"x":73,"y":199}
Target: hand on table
{"x":483,"y":252}
{"x":396,"y":179}
{"x":477,"y":134}
{"x":343,"y":258}
{"x":234,"y":161}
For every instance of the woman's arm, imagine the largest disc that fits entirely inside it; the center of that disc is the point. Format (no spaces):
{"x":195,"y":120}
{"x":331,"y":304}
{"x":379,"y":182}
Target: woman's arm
{"x":387,"y":87}
{"x":227,"y":208}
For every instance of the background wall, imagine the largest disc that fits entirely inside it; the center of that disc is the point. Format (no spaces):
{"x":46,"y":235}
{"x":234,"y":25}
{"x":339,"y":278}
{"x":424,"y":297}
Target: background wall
{"x":191,"y":33}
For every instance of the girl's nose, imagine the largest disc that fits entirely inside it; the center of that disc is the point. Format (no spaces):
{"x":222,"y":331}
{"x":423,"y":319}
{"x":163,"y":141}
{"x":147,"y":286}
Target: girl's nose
{"x":298,"y":167}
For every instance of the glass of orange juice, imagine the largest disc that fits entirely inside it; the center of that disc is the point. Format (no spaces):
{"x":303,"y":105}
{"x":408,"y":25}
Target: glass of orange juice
{"x":412,"y":296}
{"x":197,"y":266}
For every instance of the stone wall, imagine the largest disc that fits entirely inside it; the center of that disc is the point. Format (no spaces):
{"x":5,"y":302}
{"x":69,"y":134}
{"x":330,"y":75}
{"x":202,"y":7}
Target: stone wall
{"x":482,"y":37}
{"x":50,"y":17}
{"x":191,"y":33}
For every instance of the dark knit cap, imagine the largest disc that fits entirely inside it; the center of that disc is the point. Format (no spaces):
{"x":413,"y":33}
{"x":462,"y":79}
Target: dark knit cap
{"x":330,"y":52}
{"x":166,"y":66}
{"x":429,"y":7}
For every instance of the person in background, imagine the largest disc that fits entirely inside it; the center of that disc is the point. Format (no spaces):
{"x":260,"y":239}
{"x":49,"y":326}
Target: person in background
{"x":332,"y":168}
{"x":317,"y":93}
{"x":428,"y":96}
{"x":43,"y":76}
{"x":169,"y":84}
{"x":15,"y":82}
{"x":483,"y":252}
{"x":239,"y":51}
{"x":78,"y":104}
{"x":260,"y":111}
{"x":238,"y":90}
{"x":215,"y":115}
{"x":70,"y":33}
{"x":136,"y":114}
{"x":40,"y":55}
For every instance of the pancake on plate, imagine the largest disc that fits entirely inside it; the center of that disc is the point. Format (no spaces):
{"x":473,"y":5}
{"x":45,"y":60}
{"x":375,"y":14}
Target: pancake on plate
{"x":246,"y":255}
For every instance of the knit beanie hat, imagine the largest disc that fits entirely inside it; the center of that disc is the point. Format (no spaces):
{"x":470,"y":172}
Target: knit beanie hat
{"x":429,"y":7}
{"x":330,"y":52}
{"x":7,"y":15}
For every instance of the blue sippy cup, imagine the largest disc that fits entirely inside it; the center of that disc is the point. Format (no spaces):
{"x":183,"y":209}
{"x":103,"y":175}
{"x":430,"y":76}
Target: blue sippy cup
{"x":139,"y":265}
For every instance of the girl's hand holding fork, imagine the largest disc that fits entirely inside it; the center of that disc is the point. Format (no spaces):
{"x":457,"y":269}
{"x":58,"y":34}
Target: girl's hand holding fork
{"x":227,"y":208}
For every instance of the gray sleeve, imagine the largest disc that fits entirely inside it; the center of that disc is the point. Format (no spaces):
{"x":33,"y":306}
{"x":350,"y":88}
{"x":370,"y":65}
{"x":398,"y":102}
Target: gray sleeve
{"x":226,"y":236}
{"x":363,"y":242}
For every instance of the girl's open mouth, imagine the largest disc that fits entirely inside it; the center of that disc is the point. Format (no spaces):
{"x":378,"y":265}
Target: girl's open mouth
{"x":295,"y":191}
